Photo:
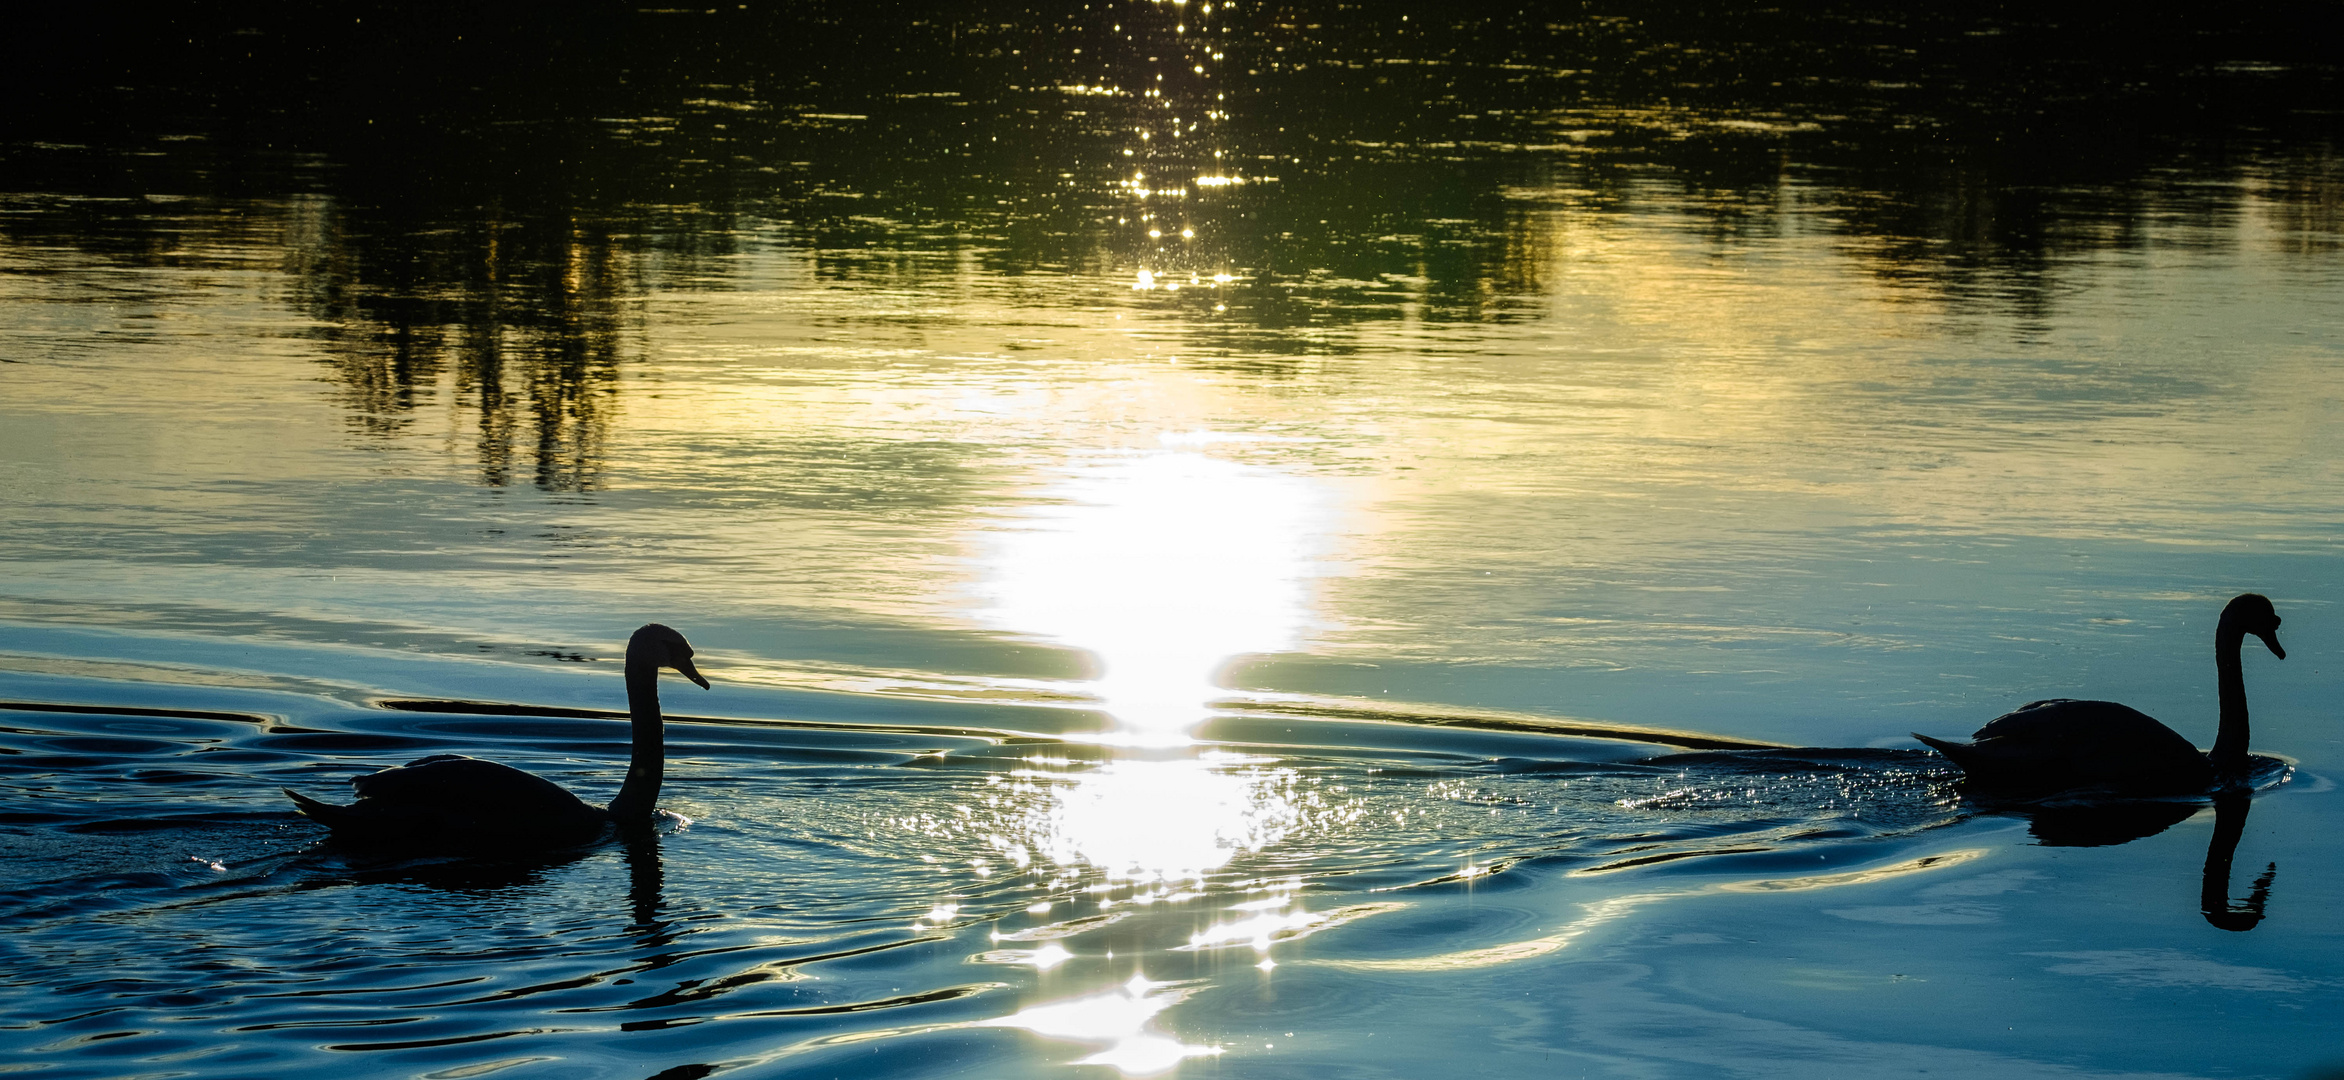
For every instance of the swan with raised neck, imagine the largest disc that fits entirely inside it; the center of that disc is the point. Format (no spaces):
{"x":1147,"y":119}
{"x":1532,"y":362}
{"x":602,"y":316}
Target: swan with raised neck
{"x":453,"y":801}
{"x":2044,"y":747}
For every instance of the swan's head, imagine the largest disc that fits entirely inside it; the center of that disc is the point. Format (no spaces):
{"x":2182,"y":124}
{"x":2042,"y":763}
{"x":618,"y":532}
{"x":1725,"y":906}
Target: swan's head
{"x":665,"y":648}
{"x":2251,"y":613}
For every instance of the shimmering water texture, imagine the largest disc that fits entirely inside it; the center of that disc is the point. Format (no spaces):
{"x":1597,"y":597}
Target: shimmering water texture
{"x":826,"y":897}
{"x":1229,"y":540}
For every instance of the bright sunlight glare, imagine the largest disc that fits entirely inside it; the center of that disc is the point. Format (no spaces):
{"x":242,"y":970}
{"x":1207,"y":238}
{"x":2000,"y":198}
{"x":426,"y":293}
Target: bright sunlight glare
{"x":1167,"y":821}
{"x":1120,"y":1018}
{"x":1163,"y":565}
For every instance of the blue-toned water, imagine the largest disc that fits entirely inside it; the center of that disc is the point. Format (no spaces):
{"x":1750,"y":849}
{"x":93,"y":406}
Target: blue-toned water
{"x":1227,"y":541}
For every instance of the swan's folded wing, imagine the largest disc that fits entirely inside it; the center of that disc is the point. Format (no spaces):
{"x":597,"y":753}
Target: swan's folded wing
{"x":466,"y":785}
{"x":2066,"y":744}
{"x":2073,"y":720}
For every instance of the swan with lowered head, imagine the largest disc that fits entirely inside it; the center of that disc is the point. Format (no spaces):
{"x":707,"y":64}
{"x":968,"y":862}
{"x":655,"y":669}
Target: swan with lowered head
{"x":2061,"y":744}
{"x":453,"y":801}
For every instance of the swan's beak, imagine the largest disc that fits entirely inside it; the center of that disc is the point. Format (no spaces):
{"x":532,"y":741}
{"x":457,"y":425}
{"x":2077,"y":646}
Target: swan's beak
{"x":2271,"y":638}
{"x":684,"y":664}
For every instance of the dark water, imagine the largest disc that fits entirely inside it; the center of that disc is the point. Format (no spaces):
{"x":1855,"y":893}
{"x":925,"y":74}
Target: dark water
{"x":1230,"y":539}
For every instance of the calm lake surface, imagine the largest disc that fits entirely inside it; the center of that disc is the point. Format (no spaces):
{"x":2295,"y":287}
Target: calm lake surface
{"x":1230,"y":540}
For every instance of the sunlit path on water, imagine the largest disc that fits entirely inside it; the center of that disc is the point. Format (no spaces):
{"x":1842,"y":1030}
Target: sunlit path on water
{"x":1162,"y":565}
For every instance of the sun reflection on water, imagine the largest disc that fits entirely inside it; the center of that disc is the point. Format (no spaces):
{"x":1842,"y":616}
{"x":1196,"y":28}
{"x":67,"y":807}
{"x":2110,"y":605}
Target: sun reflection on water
{"x":1120,"y":1017}
{"x":1163,"y":566}
{"x":1143,"y":822}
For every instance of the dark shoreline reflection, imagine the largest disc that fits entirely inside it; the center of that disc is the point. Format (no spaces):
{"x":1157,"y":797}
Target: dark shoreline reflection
{"x":471,"y":205}
{"x":525,"y":325}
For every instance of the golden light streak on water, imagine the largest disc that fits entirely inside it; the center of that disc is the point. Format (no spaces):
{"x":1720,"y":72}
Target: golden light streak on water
{"x":1163,"y":565}
{"x":1121,"y":1017}
{"x":1611,"y":909}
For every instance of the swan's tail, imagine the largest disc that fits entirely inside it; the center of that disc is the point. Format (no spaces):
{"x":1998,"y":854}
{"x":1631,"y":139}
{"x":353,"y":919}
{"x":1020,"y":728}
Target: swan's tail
{"x":1960,"y":753}
{"x":326,"y":814}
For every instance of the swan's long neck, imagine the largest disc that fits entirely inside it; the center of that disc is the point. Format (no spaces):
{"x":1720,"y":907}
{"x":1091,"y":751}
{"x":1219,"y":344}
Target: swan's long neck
{"x":2229,"y":754}
{"x":641,"y":790}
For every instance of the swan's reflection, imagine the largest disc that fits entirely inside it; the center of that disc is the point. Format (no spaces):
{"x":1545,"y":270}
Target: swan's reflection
{"x":645,"y":878}
{"x":2106,"y":824}
{"x":510,"y":878}
{"x":500,"y":879}
{"x":2214,"y":900}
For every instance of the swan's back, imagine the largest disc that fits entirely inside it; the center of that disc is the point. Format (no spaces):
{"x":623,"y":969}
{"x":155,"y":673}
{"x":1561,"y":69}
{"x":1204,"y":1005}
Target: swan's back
{"x":2062,"y":744}
{"x":452,"y":801}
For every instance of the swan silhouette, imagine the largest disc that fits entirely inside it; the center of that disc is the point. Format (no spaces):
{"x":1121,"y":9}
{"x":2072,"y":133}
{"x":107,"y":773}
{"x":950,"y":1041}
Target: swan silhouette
{"x":2061,"y":744}
{"x":453,"y":801}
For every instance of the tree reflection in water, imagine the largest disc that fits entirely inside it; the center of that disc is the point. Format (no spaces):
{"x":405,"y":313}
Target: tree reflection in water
{"x":473,"y":205}
{"x":524,"y":327}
